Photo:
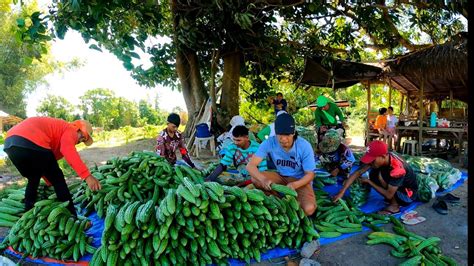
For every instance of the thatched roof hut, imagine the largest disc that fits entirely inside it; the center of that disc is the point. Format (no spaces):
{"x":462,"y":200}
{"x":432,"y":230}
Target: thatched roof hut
{"x":8,"y":120}
{"x":442,"y":67}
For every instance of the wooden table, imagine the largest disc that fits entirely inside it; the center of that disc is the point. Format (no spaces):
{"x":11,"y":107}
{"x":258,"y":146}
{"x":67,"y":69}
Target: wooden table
{"x":457,"y":133}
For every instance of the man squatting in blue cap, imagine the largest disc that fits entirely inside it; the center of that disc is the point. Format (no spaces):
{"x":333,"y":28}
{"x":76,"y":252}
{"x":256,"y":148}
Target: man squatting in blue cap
{"x":294,"y":161}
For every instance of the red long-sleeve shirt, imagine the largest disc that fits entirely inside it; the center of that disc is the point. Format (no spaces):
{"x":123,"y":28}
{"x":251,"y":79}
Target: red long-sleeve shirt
{"x":53,"y":134}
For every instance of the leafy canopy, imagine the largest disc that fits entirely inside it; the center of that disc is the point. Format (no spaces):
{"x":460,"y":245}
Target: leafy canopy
{"x":273,"y":36}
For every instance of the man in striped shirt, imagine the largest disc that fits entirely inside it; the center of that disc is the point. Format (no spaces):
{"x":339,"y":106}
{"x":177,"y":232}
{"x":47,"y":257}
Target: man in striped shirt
{"x":238,"y":154}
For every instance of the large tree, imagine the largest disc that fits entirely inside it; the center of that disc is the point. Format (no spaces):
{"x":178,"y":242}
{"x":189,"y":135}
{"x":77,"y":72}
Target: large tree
{"x":209,"y":45}
{"x":20,"y":72}
{"x":56,"y":106}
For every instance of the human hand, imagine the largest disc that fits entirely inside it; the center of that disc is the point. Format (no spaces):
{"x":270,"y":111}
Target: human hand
{"x":292,"y":185}
{"x":267,"y":185}
{"x":93,"y":183}
{"x":338,"y":196}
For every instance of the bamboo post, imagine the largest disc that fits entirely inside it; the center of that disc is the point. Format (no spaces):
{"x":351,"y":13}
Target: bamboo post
{"x":421,"y":114}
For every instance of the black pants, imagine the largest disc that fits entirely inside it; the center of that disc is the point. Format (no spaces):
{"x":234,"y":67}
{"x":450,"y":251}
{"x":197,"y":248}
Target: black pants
{"x":33,"y":164}
{"x":400,"y":196}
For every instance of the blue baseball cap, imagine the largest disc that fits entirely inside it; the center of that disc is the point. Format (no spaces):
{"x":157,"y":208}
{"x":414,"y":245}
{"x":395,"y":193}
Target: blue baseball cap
{"x":284,"y":124}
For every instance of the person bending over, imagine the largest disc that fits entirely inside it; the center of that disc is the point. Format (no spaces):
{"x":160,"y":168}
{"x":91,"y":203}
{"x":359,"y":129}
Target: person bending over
{"x":389,"y":175}
{"x":36,"y":144}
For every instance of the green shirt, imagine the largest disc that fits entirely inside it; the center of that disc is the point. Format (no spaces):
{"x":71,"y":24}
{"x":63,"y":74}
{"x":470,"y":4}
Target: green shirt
{"x":320,"y":118}
{"x":264,"y":133}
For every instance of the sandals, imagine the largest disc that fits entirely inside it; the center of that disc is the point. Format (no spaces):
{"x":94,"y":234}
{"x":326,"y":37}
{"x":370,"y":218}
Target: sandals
{"x":440,"y":207}
{"x":388,"y":212}
{"x":412,"y":218}
{"x":450,"y":198}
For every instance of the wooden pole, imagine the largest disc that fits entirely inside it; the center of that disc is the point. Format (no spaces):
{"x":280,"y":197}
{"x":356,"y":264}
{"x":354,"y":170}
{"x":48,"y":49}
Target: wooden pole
{"x":389,"y":92}
{"x":215,"y":58}
{"x":368,"y":111}
{"x":420,"y":132}
{"x":450,"y":104}
{"x":401,"y":104}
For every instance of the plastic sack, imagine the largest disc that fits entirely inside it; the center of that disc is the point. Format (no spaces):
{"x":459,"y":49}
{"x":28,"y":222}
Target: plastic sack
{"x":427,"y":187}
{"x":454,"y":176}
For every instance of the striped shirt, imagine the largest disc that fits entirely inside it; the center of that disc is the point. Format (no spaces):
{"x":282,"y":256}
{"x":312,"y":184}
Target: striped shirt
{"x":235,"y":156}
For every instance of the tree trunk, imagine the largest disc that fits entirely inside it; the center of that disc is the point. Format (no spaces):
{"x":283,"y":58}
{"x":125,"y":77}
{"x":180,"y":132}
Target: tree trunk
{"x":187,"y":68}
{"x":195,"y":95}
{"x":230,"y":88}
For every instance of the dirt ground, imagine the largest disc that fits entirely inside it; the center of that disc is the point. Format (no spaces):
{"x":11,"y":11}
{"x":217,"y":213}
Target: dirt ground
{"x":451,"y":228}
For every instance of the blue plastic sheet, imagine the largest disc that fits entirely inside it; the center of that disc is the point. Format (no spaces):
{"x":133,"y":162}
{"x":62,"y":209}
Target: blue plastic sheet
{"x":374,"y":203}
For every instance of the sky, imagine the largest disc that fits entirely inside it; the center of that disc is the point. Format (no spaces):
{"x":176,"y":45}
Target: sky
{"x":99,"y":70}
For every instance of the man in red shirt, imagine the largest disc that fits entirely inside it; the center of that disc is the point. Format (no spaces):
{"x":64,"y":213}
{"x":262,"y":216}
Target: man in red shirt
{"x":389,"y":175}
{"x":35,"y":145}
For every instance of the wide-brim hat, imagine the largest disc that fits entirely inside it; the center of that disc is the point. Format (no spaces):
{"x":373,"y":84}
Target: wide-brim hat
{"x":330,"y":142}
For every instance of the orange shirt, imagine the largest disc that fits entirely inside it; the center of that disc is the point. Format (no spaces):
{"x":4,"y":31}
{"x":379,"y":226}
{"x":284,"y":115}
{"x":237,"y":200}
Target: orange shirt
{"x":53,"y":134}
{"x":381,"y":122}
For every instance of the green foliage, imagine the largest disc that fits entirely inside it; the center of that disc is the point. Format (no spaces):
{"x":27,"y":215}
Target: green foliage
{"x":150,"y":115}
{"x":125,"y":113}
{"x":66,"y":168}
{"x":98,"y":108}
{"x":56,"y":106}
{"x":2,"y":137}
{"x":103,"y":109}
{"x":150,"y":131}
{"x":273,"y":38}
{"x":127,"y":132}
{"x":19,"y":74}
{"x":299,"y":100}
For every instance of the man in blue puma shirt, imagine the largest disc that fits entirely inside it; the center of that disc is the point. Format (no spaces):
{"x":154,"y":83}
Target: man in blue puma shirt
{"x":293,"y":157}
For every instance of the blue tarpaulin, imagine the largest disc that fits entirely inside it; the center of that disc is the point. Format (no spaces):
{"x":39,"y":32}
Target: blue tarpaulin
{"x":374,"y":203}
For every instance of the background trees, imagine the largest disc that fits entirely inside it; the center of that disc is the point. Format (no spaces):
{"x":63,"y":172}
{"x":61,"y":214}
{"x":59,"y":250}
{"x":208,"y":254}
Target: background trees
{"x":56,"y":106}
{"x":207,"y":47}
{"x":103,"y":109}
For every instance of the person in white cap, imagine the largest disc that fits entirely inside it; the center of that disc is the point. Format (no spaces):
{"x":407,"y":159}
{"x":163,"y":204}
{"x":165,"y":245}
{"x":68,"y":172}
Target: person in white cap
{"x":226,"y":138}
